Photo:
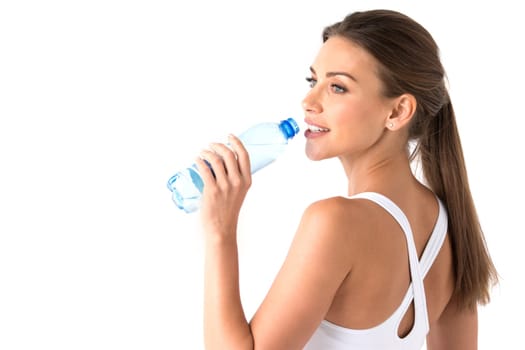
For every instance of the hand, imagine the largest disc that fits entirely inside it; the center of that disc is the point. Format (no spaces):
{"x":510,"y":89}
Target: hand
{"x":225,"y":188}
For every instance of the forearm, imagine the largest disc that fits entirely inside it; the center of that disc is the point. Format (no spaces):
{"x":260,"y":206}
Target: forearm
{"x":225,"y":325}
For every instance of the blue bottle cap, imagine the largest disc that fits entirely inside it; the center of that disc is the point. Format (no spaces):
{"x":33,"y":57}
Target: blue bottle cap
{"x":289,"y":127}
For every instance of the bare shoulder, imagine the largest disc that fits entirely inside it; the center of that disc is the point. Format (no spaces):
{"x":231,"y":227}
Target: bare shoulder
{"x":337,"y":219}
{"x":336,"y":210}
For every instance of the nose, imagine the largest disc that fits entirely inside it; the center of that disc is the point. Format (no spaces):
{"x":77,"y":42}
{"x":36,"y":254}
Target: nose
{"x":311,"y":102}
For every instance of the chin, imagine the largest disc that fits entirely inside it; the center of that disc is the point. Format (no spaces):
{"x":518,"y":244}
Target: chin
{"x":314,"y":155}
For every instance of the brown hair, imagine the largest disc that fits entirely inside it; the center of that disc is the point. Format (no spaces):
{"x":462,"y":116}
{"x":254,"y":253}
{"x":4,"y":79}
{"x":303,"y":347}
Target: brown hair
{"x":409,"y":63}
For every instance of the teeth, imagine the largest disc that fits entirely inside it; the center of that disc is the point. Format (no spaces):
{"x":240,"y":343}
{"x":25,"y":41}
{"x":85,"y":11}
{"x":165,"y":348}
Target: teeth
{"x":314,"y":128}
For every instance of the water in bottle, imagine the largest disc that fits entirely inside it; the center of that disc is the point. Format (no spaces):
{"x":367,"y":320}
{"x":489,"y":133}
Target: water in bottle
{"x":264,"y":142}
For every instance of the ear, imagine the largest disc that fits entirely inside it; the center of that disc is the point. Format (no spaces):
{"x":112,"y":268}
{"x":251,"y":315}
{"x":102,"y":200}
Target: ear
{"x":402,"y":112}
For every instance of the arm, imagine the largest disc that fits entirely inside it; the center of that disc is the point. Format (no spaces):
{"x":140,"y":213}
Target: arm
{"x":317,"y":262}
{"x":225,"y":326}
{"x":456,"y":329}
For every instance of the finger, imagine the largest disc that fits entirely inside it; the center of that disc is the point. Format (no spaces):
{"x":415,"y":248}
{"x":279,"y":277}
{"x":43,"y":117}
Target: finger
{"x":205,"y":171}
{"x":229,"y":158}
{"x":216,"y":163}
{"x":243,"y":158}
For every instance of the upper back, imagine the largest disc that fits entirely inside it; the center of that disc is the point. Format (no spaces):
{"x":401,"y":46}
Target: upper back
{"x":381,"y":278}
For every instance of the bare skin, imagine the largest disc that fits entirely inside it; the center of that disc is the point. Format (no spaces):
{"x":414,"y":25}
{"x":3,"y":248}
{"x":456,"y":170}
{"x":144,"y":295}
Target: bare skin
{"x":340,"y":242}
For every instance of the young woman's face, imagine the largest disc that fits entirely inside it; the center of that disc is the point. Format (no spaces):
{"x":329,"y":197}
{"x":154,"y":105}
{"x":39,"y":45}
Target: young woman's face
{"x":344,"y":109}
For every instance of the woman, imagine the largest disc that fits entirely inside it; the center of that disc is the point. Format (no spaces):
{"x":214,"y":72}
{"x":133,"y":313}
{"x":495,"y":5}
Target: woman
{"x":383,"y":267}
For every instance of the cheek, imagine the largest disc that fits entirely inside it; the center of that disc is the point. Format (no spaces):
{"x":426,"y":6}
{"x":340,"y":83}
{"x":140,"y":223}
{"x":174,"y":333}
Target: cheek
{"x":358,"y":126}
{"x":349,"y":118}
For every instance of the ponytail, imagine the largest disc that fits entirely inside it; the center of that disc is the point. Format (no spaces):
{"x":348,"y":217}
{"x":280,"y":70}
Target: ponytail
{"x":444,"y":170}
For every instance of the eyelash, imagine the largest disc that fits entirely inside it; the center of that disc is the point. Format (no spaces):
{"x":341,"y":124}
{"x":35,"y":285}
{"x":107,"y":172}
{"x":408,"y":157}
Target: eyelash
{"x":311,"y":81}
{"x":338,"y":89}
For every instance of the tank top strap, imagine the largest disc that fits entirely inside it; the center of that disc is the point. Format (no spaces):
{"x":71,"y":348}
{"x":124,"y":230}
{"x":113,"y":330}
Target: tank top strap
{"x":417,"y":287}
{"x":435,"y":242}
{"x":437,"y":237}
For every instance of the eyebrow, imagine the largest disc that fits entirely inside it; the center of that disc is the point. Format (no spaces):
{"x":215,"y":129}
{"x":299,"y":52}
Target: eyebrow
{"x":331,"y":74}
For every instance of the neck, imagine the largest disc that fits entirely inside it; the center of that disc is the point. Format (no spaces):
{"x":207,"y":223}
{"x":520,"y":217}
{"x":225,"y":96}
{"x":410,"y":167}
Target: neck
{"x":384,"y":174}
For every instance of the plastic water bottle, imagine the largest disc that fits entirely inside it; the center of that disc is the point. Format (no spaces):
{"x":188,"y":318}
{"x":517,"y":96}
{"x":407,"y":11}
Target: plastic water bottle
{"x":264,"y":142}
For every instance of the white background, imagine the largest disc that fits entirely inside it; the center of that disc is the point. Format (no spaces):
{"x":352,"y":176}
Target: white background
{"x":101,"y":101}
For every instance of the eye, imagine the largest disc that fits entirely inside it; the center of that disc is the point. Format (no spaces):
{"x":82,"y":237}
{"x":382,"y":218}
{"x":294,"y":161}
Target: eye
{"x":311,"y":81}
{"x":338,"y":89}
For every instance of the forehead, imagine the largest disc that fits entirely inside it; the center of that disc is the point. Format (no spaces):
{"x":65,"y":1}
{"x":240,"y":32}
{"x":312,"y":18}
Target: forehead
{"x":341,"y":54}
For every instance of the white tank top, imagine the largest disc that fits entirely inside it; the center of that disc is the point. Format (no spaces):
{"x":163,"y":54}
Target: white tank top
{"x":384,"y":336}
